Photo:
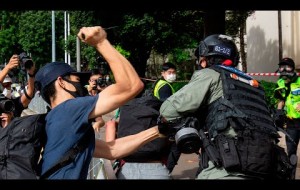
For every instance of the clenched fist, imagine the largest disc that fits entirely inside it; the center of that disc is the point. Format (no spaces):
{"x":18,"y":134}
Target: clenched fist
{"x":92,"y":35}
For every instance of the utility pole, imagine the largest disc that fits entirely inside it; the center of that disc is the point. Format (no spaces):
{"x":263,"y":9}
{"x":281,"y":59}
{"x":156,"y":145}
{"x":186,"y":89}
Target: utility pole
{"x":279,"y":36}
{"x":67,"y":34}
{"x":78,"y":64}
{"x":53,"y":37}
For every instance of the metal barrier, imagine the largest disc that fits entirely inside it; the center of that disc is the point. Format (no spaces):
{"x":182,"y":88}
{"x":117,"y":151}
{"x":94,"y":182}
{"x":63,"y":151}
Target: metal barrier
{"x":101,"y":168}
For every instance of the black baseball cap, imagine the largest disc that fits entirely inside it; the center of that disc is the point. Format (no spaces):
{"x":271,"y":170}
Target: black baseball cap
{"x":287,"y":61}
{"x":48,"y":73}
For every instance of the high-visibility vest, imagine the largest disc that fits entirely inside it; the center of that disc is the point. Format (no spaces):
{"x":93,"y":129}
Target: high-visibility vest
{"x":160,"y":84}
{"x":292,"y":99}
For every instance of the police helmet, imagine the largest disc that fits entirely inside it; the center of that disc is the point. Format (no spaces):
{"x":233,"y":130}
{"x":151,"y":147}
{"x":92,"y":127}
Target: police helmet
{"x":287,"y":61}
{"x":220,"y":45}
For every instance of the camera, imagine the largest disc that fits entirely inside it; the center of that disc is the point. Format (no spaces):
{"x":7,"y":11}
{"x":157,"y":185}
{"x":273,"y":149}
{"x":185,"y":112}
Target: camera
{"x":103,"y":81}
{"x":25,"y":61}
{"x":6,"y":105}
{"x":184,"y":131}
{"x":187,"y":137}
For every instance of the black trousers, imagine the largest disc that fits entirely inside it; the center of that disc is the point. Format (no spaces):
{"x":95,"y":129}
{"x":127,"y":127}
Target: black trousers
{"x":292,"y":146}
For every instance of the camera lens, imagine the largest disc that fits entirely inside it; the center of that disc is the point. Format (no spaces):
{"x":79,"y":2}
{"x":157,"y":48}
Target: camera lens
{"x":28,"y":64}
{"x":188,"y":140}
{"x":7,"y":106}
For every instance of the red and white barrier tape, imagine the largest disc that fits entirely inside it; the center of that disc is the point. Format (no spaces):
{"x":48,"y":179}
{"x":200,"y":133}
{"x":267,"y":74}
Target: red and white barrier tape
{"x":251,"y":74}
{"x":266,"y":74}
{"x":153,"y":80}
{"x":263,"y":74}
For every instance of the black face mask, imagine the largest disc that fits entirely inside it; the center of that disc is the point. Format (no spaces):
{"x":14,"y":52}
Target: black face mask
{"x":287,"y":75}
{"x":290,"y":76}
{"x":80,"y":90}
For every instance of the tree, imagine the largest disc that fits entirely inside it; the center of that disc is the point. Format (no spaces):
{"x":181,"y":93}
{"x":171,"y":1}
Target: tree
{"x":162,"y":31}
{"x":141,"y":32}
{"x":35,"y":35}
{"x":214,"y":22}
{"x":8,"y":29}
{"x":236,"y":26}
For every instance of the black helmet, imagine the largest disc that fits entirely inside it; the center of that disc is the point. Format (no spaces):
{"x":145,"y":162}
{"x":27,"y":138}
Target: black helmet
{"x":287,"y":61}
{"x":221,"y":45}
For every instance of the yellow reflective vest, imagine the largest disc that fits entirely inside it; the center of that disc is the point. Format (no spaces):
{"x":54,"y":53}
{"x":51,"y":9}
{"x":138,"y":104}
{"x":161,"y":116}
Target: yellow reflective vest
{"x":292,"y":99}
{"x":158,"y":86}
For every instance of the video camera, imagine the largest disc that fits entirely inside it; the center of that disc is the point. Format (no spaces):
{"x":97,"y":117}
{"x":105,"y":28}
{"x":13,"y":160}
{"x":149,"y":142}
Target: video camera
{"x":6,"y":105}
{"x":25,"y":61}
{"x":185,"y":133}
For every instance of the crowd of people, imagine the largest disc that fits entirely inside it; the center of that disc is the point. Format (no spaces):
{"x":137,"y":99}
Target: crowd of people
{"x":221,"y":114}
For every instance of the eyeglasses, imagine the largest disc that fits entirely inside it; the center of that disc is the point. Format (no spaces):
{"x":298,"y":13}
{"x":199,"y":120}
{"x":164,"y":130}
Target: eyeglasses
{"x":285,"y":67}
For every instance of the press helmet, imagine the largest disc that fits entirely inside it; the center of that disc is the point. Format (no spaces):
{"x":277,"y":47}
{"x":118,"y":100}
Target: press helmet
{"x":220,"y":45}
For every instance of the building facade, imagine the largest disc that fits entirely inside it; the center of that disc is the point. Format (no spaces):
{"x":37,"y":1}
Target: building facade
{"x":272,"y":35}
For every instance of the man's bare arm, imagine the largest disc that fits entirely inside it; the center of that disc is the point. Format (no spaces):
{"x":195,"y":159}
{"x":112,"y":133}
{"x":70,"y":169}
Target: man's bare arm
{"x":125,"y":146}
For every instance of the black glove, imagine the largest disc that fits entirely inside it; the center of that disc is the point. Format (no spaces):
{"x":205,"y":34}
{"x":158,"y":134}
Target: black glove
{"x":170,"y":128}
{"x":279,"y":118}
{"x":165,"y":127}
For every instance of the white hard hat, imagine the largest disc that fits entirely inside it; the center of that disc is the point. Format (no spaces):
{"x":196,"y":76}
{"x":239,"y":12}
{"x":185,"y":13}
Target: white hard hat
{"x":7,"y":79}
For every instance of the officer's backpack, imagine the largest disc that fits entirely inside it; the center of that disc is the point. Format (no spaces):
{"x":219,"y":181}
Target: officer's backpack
{"x":138,"y":115}
{"x":21,"y":143}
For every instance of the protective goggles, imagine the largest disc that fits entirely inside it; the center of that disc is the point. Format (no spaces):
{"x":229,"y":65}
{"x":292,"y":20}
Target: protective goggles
{"x":286,"y":68}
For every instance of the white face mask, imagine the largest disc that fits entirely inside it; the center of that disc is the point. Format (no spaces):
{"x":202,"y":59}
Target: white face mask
{"x":171,"y":78}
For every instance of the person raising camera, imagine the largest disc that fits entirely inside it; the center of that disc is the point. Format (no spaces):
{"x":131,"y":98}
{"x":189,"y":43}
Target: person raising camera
{"x":22,"y":101}
{"x":94,"y":88}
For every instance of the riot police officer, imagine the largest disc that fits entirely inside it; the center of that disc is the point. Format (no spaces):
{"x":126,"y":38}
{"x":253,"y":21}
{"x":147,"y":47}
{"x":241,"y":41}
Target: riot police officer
{"x":230,"y":108}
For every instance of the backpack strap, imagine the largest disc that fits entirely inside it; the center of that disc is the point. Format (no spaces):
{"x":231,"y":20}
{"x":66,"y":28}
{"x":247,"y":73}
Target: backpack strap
{"x":69,"y":156}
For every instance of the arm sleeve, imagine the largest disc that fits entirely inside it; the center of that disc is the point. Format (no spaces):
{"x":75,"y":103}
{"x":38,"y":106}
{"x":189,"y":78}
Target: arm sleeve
{"x":193,"y":95}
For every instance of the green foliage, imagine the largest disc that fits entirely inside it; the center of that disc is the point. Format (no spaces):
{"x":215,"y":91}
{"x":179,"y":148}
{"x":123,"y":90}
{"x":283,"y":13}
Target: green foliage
{"x":180,"y":55}
{"x":269,"y":88}
{"x":8,"y":34}
{"x":178,"y":85}
{"x":234,"y":20}
{"x":90,"y":54}
{"x":162,"y":30}
{"x":122,"y":51}
{"x":34,"y":34}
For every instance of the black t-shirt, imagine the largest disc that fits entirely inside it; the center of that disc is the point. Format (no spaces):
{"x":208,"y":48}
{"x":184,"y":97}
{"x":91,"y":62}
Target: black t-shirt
{"x":165,"y":92}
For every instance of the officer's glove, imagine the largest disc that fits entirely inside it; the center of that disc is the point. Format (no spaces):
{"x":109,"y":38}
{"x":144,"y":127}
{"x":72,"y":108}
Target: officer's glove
{"x":166,"y":128}
{"x":279,"y":118}
{"x":170,"y":128}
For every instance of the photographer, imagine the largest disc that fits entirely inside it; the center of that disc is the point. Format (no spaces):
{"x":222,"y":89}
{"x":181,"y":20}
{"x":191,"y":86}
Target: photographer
{"x":22,"y":101}
{"x":6,"y":110}
{"x":95,"y":83}
{"x":94,"y":88}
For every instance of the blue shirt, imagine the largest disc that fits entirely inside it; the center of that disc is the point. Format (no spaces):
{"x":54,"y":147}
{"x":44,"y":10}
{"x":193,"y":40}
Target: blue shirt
{"x":66,"y":124}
